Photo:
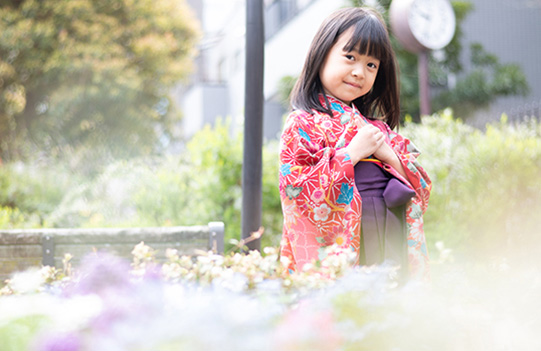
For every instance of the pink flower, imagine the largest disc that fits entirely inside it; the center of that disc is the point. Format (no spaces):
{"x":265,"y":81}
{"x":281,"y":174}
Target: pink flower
{"x":349,"y":215}
{"x":324,"y":180}
{"x":307,"y":327}
{"x":326,"y":124}
{"x":322,"y":212}
{"x":332,"y":137}
{"x":339,"y":236}
{"x":337,"y":229}
{"x":341,"y":240}
{"x":318,"y":195}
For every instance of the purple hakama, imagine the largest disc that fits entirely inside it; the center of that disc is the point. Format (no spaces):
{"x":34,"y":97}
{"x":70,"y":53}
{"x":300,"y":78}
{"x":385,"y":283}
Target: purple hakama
{"x":383,"y":223}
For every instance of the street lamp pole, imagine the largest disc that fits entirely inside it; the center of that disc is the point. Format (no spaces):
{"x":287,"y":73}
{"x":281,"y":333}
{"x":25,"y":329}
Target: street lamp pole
{"x":424,"y":85}
{"x":253,"y":123}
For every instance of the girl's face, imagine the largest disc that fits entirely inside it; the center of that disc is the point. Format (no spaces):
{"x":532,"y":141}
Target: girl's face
{"x":347,"y":75}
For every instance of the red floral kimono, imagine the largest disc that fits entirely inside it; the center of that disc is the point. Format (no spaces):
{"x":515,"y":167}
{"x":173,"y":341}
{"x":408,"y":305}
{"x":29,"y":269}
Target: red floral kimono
{"x":320,"y":202}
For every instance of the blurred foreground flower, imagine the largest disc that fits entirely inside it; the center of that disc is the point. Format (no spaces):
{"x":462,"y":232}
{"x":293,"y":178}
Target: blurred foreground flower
{"x":250,"y":302}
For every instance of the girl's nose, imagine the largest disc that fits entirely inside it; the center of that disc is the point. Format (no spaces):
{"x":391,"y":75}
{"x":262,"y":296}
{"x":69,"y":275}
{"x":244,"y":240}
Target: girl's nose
{"x":358,"y":71}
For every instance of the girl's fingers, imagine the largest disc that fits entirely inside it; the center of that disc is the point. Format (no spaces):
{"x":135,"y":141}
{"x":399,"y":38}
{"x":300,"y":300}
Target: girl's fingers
{"x":360,"y":123}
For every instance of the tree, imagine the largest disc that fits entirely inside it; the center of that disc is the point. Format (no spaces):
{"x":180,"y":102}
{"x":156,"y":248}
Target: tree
{"x":90,"y":75}
{"x":487,"y":80}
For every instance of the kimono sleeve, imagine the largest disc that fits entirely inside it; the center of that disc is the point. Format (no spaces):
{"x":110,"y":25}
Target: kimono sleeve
{"x":308,"y":163}
{"x":408,"y":154}
{"x":320,"y":204}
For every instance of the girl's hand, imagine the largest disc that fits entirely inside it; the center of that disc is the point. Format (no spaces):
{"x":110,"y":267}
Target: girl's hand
{"x":367,"y":140}
{"x":385,"y":153}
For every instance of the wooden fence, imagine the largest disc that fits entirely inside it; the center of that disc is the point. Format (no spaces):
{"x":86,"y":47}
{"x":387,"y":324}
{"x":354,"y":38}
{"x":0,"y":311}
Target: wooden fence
{"x":25,"y":248}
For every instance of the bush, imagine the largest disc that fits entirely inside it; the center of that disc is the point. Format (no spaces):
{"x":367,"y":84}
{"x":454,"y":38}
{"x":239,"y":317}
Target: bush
{"x":33,"y":191}
{"x":11,"y":218}
{"x":486,"y":186}
{"x":200,"y":185}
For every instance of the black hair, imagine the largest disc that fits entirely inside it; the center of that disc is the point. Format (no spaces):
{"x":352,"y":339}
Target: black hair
{"x":370,"y":37}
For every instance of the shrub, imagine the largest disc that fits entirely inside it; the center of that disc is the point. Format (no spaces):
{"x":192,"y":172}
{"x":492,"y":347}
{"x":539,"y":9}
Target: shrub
{"x":33,"y":190}
{"x":11,"y":218}
{"x":200,"y":185}
{"x":486,"y":186}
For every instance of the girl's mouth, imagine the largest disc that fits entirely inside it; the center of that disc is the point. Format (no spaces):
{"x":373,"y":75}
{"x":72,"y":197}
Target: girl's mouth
{"x":353,"y":85}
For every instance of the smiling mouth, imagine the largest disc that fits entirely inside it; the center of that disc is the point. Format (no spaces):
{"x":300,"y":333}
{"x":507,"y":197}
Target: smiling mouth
{"x":353,"y":85}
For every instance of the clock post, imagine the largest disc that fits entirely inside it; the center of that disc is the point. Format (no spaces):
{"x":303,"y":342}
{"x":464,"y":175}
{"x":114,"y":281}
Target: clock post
{"x":421,"y":26}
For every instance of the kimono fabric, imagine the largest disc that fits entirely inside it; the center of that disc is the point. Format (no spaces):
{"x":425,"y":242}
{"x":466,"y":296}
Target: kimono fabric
{"x":320,"y":200}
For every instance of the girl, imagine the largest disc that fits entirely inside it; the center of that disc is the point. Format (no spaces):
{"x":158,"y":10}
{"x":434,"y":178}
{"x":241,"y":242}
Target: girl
{"x":337,"y":163}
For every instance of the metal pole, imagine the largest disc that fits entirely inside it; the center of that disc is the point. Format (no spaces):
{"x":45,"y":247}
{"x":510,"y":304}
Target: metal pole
{"x":424,"y":86}
{"x":253,"y":123}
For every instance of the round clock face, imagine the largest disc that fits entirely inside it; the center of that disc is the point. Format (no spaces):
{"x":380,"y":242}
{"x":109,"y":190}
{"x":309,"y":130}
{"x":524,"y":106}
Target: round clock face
{"x":432,"y":22}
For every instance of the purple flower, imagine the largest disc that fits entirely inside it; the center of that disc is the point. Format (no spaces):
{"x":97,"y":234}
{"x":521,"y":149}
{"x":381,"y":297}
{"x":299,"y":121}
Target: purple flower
{"x":60,"y":342}
{"x":153,"y":273}
{"x":101,"y":273}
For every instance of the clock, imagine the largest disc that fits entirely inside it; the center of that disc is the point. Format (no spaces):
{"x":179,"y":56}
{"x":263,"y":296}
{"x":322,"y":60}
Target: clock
{"x":421,"y":25}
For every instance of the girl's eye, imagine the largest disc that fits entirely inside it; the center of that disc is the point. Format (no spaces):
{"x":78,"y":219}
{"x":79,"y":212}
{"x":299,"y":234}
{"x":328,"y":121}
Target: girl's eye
{"x":372,"y":65}
{"x":350,"y":57}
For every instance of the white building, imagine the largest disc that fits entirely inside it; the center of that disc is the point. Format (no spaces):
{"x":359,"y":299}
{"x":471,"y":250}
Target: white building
{"x":509,"y":29}
{"x":217,"y":88}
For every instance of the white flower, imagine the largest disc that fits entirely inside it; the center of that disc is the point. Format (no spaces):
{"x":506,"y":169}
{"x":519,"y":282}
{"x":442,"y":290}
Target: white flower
{"x":28,"y":281}
{"x":321,"y":213}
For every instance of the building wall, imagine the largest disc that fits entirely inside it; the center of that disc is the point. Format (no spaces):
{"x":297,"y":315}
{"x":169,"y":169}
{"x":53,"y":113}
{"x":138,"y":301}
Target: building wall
{"x":512,"y":31}
{"x":202,"y":104}
{"x":509,"y":29}
{"x":292,"y":25}
{"x":285,"y":53}
{"x":216,"y":89}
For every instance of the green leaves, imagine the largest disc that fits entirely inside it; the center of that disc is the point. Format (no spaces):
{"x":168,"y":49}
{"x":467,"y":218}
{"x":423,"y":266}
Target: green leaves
{"x":487,"y":80}
{"x":485,"y":187}
{"x":486,"y":190}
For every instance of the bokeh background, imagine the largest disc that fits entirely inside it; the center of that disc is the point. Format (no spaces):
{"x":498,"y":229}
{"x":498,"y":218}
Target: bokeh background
{"x":129,"y":113}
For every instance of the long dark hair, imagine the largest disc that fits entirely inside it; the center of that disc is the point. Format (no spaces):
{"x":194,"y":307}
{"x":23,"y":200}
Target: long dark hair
{"x":370,"y":37}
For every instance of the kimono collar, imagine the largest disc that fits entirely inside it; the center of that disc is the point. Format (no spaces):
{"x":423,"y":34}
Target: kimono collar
{"x":337,"y":105}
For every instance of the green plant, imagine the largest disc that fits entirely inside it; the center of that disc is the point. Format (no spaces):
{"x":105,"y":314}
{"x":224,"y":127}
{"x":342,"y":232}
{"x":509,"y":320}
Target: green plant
{"x":200,"y":185}
{"x":485,"y":184}
{"x":488,"y":79}
{"x":33,"y":190}
{"x":484,"y":199}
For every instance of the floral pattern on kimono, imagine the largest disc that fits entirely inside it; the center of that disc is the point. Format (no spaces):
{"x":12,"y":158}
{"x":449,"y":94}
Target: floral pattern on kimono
{"x":320,"y":201}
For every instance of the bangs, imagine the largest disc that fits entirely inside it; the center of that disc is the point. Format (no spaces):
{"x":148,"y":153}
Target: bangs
{"x":369,"y":38}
